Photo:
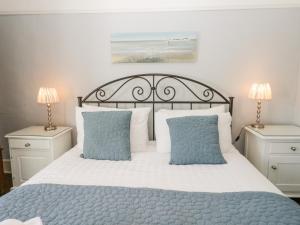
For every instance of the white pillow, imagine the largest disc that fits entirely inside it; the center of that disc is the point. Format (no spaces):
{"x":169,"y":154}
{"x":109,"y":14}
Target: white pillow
{"x":138,"y":125}
{"x":163,"y":141}
{"x":224,"y":126}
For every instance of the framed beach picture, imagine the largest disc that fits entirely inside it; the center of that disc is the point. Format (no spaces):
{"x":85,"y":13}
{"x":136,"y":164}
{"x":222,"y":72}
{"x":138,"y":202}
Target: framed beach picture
{"x":158,"y":47}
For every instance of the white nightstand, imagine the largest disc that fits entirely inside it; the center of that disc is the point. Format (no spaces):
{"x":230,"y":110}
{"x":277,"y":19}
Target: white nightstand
{"x":275,"y":152}
{"x":31,"y":149}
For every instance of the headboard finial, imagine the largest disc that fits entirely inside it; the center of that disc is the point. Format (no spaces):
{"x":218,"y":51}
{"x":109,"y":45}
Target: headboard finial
{"x":231,"y":105}
{"x":79,"y":98}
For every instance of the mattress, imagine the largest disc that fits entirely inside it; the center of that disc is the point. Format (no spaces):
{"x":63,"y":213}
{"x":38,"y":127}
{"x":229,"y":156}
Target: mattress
{"x":150,"y":169}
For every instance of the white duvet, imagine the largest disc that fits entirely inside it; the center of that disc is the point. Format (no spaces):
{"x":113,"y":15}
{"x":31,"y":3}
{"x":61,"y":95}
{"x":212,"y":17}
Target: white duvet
{"x":151,"y":169}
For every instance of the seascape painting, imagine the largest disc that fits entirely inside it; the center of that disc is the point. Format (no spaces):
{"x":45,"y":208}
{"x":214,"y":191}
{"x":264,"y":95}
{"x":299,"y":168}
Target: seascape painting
{"x":163,"y":47}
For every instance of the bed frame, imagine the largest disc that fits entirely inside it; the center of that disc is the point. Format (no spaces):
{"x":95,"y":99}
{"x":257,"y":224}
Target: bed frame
{"x":155,"y":88}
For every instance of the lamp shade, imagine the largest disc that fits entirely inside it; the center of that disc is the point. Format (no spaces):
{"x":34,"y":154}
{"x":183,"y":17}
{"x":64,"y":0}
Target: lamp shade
{"x":260,"y":91}
{"x":47,"y":95}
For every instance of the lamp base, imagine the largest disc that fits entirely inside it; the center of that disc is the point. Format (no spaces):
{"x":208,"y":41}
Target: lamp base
{"x":49,"y":128}
{"x":258,"y":125}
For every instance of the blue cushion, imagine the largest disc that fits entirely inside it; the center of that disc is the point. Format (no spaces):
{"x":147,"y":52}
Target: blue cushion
{"x":195,"y":140}
{"x":107,"y":135}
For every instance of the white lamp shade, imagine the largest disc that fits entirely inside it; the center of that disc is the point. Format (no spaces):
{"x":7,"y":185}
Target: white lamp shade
{"x":47,"y":95}
{"x":260,"y":91}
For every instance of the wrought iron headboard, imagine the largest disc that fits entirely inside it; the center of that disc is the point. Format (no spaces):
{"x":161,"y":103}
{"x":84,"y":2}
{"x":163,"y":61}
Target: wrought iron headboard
{"x":157,"y":88}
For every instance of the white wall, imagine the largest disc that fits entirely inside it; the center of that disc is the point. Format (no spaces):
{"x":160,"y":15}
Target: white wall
{"x":297,"y":105}
{"x":71,"y":6}
{"x":72,"y":53}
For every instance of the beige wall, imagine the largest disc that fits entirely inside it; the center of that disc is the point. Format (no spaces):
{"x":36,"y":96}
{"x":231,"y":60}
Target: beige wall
{"x":72,"y":53}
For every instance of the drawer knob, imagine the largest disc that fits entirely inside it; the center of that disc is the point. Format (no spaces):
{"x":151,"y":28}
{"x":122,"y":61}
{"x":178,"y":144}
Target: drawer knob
{"x":274,"y":167}
{"x":27,"y":145}
{"x":293,"y":148}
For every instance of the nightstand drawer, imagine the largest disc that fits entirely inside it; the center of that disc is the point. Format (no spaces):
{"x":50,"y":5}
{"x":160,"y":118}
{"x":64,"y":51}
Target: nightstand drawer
{"x":285,"y":147}
{"x":29,"y":144}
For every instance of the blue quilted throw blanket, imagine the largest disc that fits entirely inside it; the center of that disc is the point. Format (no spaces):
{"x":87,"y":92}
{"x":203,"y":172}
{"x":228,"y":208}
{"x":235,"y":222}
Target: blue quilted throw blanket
{"x":91,"y":205}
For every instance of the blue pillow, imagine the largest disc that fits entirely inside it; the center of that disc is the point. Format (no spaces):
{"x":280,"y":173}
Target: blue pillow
{"x":107,"y":135}
{"x":195,"y":140}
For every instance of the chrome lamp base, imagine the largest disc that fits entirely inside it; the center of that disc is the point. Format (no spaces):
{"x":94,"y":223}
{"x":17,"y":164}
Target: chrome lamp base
{"x":258,"y":125}
{"x":49,"y":128}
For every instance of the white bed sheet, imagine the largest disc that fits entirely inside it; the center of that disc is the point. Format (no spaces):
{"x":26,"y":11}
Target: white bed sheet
{"x":151,"y":170}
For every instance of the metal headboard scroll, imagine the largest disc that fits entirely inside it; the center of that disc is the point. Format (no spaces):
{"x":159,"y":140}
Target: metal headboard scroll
{"x":155,"y":89}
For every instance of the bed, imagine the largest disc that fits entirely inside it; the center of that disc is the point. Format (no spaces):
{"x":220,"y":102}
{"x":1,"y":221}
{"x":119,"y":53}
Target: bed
{"x":147,"y":190}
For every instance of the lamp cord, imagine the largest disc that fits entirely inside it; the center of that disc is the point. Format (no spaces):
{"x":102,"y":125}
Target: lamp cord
{"x":240,"y":133}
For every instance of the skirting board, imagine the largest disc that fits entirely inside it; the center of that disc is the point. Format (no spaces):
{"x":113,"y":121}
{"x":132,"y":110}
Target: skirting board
{"x":6,"y":165}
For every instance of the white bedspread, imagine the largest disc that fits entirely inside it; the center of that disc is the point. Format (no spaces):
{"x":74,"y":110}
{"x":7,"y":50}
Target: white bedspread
{"x":151,"y":169}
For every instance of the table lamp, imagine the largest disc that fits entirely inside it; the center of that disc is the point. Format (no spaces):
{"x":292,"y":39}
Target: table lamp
{"x":48,"y":96}
{"x":260,"y":92}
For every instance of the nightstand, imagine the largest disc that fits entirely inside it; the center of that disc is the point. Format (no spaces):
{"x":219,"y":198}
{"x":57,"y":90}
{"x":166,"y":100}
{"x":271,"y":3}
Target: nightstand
{"x":31,"y":149}
{"x":2,"y":177}
{"x":275,"y":152}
